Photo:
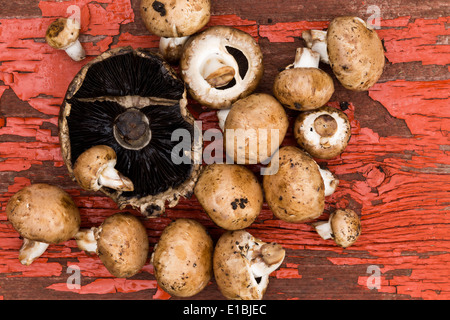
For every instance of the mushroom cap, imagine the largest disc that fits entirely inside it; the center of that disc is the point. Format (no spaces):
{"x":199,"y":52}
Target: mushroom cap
{"x":296,"y":192}
{"x":122,"y":244}
{"x":132,"y":81}
{"x":175,"y":18}
{"x":324,"y":132}
{"x":230,"y":194}
{"x":62,"y":32}
{"x":182,"y":258}
{"x":221,"y":40}
{"x":247,"y":123}
{"x":234,"y":254}
{"x":90,"y":164}
{"x":346,"y":227}
{"x":44,"y":213}
{"x":303,"y":88}
{"x":355,"y":52}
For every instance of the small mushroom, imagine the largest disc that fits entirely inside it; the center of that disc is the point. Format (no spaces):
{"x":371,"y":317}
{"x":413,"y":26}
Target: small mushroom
{"x":302,"y":85}
{"x":354,"y":51}
{"x":254,"y":128}
{"x":62,"y":34}
{"x":343,"y":226}
{"x":182,"y":258}
{"x":296,"y":192}
{"x":42,"y":214}
{"x":243,"y":263}
{"x":230,"y":194}
{"x":324,"y":132}
{"x":221,"y":65}
{"x":174,"y":22}
{"x":94,"y":169}
{"x":121,"y":243}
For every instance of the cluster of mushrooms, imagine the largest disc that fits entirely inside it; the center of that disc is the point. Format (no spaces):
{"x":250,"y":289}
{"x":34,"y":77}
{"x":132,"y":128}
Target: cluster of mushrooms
{"x":115,"y":128}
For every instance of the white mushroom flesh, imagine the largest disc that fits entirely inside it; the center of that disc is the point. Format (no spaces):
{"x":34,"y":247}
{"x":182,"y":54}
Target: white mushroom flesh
{"x":329,"y":180}
{"x":306,"y":58}
{"x":111,"y":178}
{"x":323,"y":228}
{"x":172,"y":48}
{"x":313,"y":137}
{"x":86,"y":241}
{"x":76,"y":51}
{"x":317,"y":41}
{"x":222,"y":116}
{"x":31,"y":250}
{"x":219,"y":67}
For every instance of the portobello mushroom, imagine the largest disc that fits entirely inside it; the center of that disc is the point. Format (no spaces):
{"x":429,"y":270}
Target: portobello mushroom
{"x":132,"y":101}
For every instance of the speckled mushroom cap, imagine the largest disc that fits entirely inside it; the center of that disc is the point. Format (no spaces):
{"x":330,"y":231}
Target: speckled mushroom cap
{"x":115,"y":100}
{"x":355,"y":52}
{"x":62,"y":33}
{"x":324,"y":132}
{"x":230,"y":194}
{"x":242,"y":264}
{"x":296,"y":192}
{"x":175,"y":18}
{"x":182,"y":258}
{"x":122,"y":244}
{"x":345,"y":226}
{"x":44,"y":213}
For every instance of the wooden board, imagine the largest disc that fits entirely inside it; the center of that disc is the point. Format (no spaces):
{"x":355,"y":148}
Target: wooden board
{"x":395,"y":173}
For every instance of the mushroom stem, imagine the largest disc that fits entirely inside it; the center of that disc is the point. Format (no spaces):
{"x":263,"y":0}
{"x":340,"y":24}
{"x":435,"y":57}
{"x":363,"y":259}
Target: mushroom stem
{"x":265,"y":258}
{"x":222,"y":116}
{"x":172,"y":48}
{"x":76,"y":51}
{"x":329,"y":180}
{"x":86,"y":240}
{"x":317,"y":41}
{"x":217,"y":72}
{"x":113,"y":179}
{"x":31,"y":250}
{"x":323,"y":228}
{"x":305,"y":58}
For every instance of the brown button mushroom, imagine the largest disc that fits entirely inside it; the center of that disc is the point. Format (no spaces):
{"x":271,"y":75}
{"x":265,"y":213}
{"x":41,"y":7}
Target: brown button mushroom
{"x":243,"y":263}
{"x":343,"y":226}
{"x":182,"y":258}
{"x":62,"y":34}
{"x":174,"y":22}
{"x":302,"y":85}
{"x":324,"y":133}
{"x":221,"y":65}
{"x":121,"y":242}
{"x":230,"y":194}
{"x":132,"y":101}
{"x":94,"y":169}
{"x":254,"y":128}
{"x":42,"y":214}
{"x":355,"y":52}
{"x":296,"y":192}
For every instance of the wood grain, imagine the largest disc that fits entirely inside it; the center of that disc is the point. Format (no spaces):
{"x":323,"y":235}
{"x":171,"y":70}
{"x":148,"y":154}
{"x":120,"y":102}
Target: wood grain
{"x":395,"y":172}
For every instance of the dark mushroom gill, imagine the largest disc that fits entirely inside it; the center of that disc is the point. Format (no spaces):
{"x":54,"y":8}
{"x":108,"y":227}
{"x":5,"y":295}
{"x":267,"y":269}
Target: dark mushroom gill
{"x":96,"y":105}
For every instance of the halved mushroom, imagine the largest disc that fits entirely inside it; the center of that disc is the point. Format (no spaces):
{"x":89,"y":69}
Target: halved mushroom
{"x":230,"y":194}
{"x":352,"y":48}
{"x":221,"y":65}
{"x":324,"y":133}
{"x":94,"y":168}
{"x":42,"y":214}
{"x":62,"y":34}
{"x":302,"y":85}
{"x":296,"y":192}
{"x":174,"y":22}
{"x":243,"y":263}
{"x":254,"y":128}
{"x":121,"y":242}
{"x":182,"y":258}
{"x":343,"y":226}
{"x":132,"y":101}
